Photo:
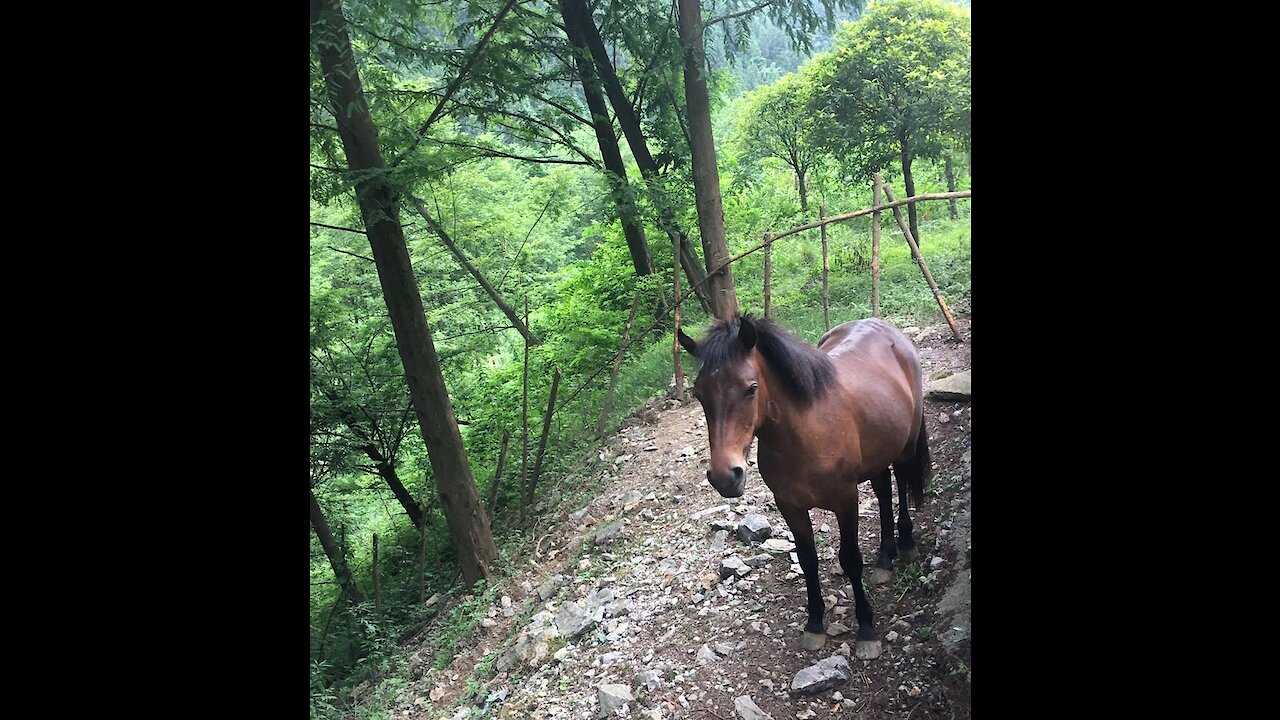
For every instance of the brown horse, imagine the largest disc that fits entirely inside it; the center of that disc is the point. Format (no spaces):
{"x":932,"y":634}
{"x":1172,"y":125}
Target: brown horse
{"x":827,"y":418}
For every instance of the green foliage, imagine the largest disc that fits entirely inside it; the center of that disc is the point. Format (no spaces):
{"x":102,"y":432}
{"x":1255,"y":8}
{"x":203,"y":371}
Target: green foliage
{"x":898,"y":76}
{"x":546,"y":232}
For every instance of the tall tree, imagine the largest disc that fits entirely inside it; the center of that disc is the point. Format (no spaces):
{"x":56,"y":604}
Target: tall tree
{"x":773,"y":121}
{"x":337,"y":560}
{"x":629,"y":120}
{"x":615,"y":171}
{"x":468,"y":524}
{"x":706,"y":174}
{"x":896,"y":86}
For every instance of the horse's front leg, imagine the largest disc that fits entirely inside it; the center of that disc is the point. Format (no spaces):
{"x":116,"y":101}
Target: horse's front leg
{"x":868,"y":645}
{"x":814,"y":636}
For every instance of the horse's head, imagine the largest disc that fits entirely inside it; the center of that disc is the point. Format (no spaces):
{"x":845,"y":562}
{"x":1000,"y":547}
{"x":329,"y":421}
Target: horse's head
{"x":732,"y":394}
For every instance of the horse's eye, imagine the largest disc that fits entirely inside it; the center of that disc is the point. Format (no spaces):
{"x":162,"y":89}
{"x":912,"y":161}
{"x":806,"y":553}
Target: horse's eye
{"x":751,"y":391}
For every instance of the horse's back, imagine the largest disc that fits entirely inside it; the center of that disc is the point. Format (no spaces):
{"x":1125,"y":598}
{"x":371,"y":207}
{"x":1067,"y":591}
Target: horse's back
{"x":868,"y":341}
{"x":877,"y":364}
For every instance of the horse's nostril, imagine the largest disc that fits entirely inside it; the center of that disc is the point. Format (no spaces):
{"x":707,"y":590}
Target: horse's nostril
{"x":738,"y":472}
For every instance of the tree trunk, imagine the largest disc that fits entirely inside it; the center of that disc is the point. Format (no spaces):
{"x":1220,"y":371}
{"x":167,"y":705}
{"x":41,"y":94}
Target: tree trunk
{"x":910,"y":187}
{"x":337,"y":560}
{"x":631,"y":129}
{"x":706,"y":175}
{"x":951,"y":187}
{"x":692,"y":265}
{"x":804,"y":192}
{"x":615,"y":171}
{"x":468,"y":525}
{"x":475,"y":271}
{"x":388,"y":473}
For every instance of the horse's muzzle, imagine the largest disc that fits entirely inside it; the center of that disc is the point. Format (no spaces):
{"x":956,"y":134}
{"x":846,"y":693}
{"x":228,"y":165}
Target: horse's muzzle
{"x":731,"y":484}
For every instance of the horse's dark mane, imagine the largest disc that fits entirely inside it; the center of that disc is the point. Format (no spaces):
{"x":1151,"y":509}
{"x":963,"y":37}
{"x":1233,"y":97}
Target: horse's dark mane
{"x":806,"y":371}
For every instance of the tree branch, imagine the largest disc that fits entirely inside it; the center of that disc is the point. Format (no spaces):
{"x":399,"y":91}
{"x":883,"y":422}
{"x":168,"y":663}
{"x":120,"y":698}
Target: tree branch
{"x":490,"y":152}
{"x":335,"y":227}
{"x":731,"y":16}
{"x":344,"y":252}
{"x":457,"y":80}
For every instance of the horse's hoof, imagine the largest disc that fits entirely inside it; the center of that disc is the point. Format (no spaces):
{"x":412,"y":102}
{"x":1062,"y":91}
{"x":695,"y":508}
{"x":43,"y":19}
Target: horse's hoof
{"x":814,"y":641}
{"x":867,"y":649}
{"x":910,"y":554}
{"x":879,"y":576}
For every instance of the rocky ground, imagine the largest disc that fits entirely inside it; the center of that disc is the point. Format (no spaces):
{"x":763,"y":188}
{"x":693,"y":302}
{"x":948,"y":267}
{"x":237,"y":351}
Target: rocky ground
{"x":646,"y":602}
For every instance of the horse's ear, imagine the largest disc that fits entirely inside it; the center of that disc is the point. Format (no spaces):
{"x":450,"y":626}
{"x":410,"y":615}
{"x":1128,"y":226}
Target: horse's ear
{"x":746,"y":333}
{"x":689,"y":344}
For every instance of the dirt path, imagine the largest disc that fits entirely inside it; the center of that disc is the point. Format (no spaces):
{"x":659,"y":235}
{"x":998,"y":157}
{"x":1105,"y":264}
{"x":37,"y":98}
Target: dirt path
{"x":656,"y":618}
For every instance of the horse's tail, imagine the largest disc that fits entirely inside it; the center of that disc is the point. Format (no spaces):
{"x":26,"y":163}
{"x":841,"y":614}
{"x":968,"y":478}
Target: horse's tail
{"x":921,"y":466}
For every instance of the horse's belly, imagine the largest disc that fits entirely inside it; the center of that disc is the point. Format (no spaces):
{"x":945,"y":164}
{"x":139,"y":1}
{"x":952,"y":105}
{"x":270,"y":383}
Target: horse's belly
{"x":830,"y":483}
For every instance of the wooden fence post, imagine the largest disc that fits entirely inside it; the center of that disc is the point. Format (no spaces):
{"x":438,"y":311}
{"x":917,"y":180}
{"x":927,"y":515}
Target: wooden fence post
{"x":875,"y":247}
{"x":924,"y":269}
{"x":675,"y":332}
{"x":546,"y":428}
{"x":617,"y":364}
{"x":826,"y":268}
{"x":524,"y":422}
{"x":497,"y":476}
{"x":377,"y":586}
{"x":768,"y":275}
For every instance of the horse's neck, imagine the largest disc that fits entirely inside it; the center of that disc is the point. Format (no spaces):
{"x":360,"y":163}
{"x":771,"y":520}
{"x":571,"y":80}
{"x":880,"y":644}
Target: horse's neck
{"x":779,"y":428}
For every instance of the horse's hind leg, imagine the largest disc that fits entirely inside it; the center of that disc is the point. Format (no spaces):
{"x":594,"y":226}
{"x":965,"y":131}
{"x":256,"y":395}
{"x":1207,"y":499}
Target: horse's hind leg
{"x":868,"y":644}
{"x":814,"y":636}
{"x":912,"y":475}
{"x":906,"y":543}
{"x":883,"y":570}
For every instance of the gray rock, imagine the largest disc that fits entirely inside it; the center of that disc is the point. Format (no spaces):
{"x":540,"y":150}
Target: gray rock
{"x":892,"y":636}
{"x":748,"y":710}
{"x":778,"y":546}
{"x":549,"y":586}
{"x":631,"y":499}
{"x":757,"y":561}
{"x":612,"y":697}
{"x":697,"y":598}
{"x":573,"y":620}
{"x":957,"y":387}
{"x":649,"y":679}
{"x":717,"y":541}
{"x":830,"y":673}
{"x":531,"y":648}
{"x":578,"y":517}
{"x":935,"y":563}
{"x":724,"y":649}
{"x":707,"y":511}
{"x":836,"y":628}
{"x":608,"y":532}
{"x":754,"y":528}
{"x":733,"y":566}
{"x":705,"y":654}
{"x":597,"y":599}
